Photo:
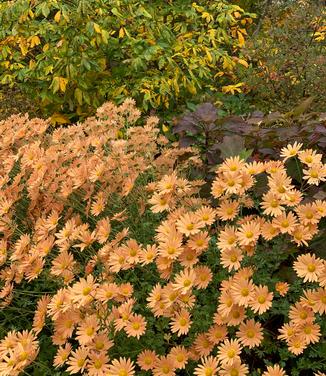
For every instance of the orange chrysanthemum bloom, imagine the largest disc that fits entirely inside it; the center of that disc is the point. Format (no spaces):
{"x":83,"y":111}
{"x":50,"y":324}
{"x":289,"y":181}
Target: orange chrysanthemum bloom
{"x":232,"y":164}
{"x":203,"y":345}
{"x":320,"y":301}
{"x":241,"y":291}
{"x":299,"y":313}
{"x":282,"y":288}
{"x":231,"y":258}
{"x":297,"y":344}
{"x":179,"y":355}
{"x":254,"y":168}
{"x":217,"y":333}
{"x":248,"y":233}
{"x":106,"y":292}
{"x":275,"y":370}
{"x":227,"y":238}
{"x":199,"y":242}
{"x":148,"y":254}
{"x":121,"y":367}
{"x":87,"y":330}
{"x":237,"y":368}
{"x":261,"y":299}
{"x":184,"y":281}
{"x":147,"y":360}
{"x":229,"y":352}
{"x":189,"y":224}
{"x":315,"y":173}
{"x":309,"y":267}
{"x":97,"y":364}
{"x":308,"y":214}
{"x":236,"y":315}
{"x":309,"y":331}
{"x":164,"y":366}
{"x":181,"y":322}
{"x":228,"y":210}
{"x":78,"y":360}
{"x":272,"y":204}
{"x":290,"y":151}
{"x":287,"y":331}
{"x":231,"y":182}
{"x":84,"y":291}
{"x":206,"y":215}
{"x":160,"y":202}
{"x":204,"y":276}
{"x":135,"y":326}
{"x":250,"y":333}
{"x":309,"y":157}
{"x":301,"y":235}
{"x":268,"y":231}
{"x":286,"y":223}
{"x":209,"y":367}
{"x":62,"y":355}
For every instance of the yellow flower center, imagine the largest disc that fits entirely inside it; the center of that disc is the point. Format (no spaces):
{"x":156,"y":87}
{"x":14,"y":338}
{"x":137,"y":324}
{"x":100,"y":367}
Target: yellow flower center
{"x":133,"y":252}
{"x":190,"y":227}
{"x":307,"y":330}
{"x":90,"y":331}
{"x":171,"y":250}
{"x":309,"y":215}
{"x":231,"y":353}
{"x":205,"y":217}
{"x":290,"y":332}
{"x":80,"y":362}
{"x":249,"y":234}
{"x":234,"y":258}
{"x":314,"y":174}
{"x":99,"y":345}
{"x":311,"y":268}
{"x":250,"y":333}
{"x":231,"y":183}
{"x":200,"y":242}
{"x":208,"y":371}
{"x":274,"y":204}
{"x":182,"y":322}
{"x":187,"y":283}
{"x":281,"y":189}
{"x":162,"y":202}
{"x":148,"y":360}
{"x":68,"y":324}
{"x":245,"y":291}
{"x":229,"y":211}
{"x":285,"y":223}
{"x":97,"y":364}
{"x":108,"y":294}
{"x":303,"y":315}
{"x":23,"y":355}
{"x":261,"y":299}
{"x":229,"y":303}
{"x":166,"y":370}
{"x":86,"y":291}
{"x":323,"y":299}
{"x":136,"y":325}
{"x":180,"y":358}
{"x":308,"y":159}
{"x":123,"y":372}
{"x":231,"y":240}
{"x":234,"y":372}
{"x":236,"y":314}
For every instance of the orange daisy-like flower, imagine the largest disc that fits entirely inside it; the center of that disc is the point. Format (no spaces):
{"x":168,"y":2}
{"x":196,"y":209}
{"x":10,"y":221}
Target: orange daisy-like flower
{"x":148,"y":254}
{"x":236,"y":315}
{"x":189,"y":224}
{"x":217,"y":333}
{"x":287,"y":331}
{"x":290,"y":151}
{"x":250,"y":333}
{"x":237,"y":368}
{"x":179,"y":356}
{"x":272,"y":204}
{"x":320,"y":301}
{"x":301,"y":235}
{"x":97,"y":364}
{"x":231,"y":182}
{"x":62,"y":355}
{"x":231,"y":258}
{"x":261,"y":299}
{"x":297,"y":344}
{"x":121,"y":367}
{"x":209,"y":367}
{"x":87,"y":330}
{"x":309,"y":157}
{"x":203,"y":345}
{"x":241,"y":291}
{"x":268,"y":231}
{"x":254,"y":168}
{"x":300,"y":313}
{"x":84,"y":291}
{"x":309,"y":267}
{"x":282,"y":288}
{"x":160,"y":202}
{"x":206,"y":215}
{"x":310,"y":331}
{"x":199,"y":242}
{"x":184,"y":281}
{"x":315,"y":174}
{"x":135,"y":326}
{"x":227,"y":238}
{"x":229,"y":352}
{"x":78,"y":360}
{"x":164,"y":366}
{"x":248,"y":233}
{"x":228,"y":210}
{"x":232,"y":164}
{"x":204,"y":276}
{"x":308,"y":214}
{"x":181,"y":322}
{"x":285,"y":223}
{"x":275,"y":370}
{"x":147,"y":360}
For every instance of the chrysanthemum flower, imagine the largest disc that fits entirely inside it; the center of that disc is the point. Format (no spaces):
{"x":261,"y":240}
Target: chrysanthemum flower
{"x":290,"y":150}
{"x":310,"y":331}
{"x":229,"y":352}
{"x":272,"y":204}
{"x":206,"y":215}
{"x":97,"y":364}
{"x":309,"y":267}
{"x":301,"y":235}
{"x":236,"y":315}
{"x":217,"y":333}
{"x":227,"y":238}
{"x":209,"y":367}
{"x":87,"y":330}
{"x":250,"y":333}
{"x":101,"y":342}
{"x":254,"y":168}
{"x":179,"y":356}
{"x":135,"y":326}
{"x":203,"y":345}
{"x":300,"y":313}
{"x":308,"y":214}
{"x":189,"y":224}
{"x":199,"y":242}
{"x":204,"y":276}
{"x":181,"y":322}
{"x":84,"y":291}
{"x":184,"y":281}
{"x":171,"y":247}
{"x":261,"y":299}
{"x":231,"y":182}
{"x":231,"y":164}
{"x":121,"y":367}
{"x":248,"y":233}
{"x":164,"y":366}
{"x":315,"y":174}
{"x":275,"y":370}
{"x":297,"y":344}
{"x":228,"y":210}
{"x":241,"y":291}
{"x":106,"y":292}
{"x":237,"y":368}
{"x":309,"y":157}
{"x":160,"y":202}
{"x":78,"y":360}
{"x":148,"y":254}
{"x":320,"y":301}
{"x":282,"y":288}
{"x":231,"y":258}
{"x":286,"y":222}
{"x":62,"y":355}
{"x":147,"y":359}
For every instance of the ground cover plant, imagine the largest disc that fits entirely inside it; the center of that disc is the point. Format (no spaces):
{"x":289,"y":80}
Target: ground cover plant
{"x":113,"y":264}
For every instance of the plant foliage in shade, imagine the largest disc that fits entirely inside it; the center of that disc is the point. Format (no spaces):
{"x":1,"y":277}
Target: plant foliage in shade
{"x":70,"y":56}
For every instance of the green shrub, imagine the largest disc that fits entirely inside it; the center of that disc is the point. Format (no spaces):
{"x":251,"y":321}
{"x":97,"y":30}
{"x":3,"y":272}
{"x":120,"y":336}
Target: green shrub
{"x":71,"y":56}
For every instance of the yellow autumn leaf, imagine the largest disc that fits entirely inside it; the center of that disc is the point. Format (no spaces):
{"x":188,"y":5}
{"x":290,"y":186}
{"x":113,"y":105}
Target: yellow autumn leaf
{"x":165,"y":128}
{"x":57,"y":16}
{"x":58,"y":118}
{"x":243,"y":62}
{"x":46,"y":47}
{"x":121,"y":32}
{"x":97,"y":28}
{"x":63,"y":83}
{"x":232,"y":88}
{"x":240,"y":39}
{"x":34,"y":41}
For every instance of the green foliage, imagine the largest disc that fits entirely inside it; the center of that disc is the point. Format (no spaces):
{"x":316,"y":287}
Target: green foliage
{"x":71,"y":56}
{"x":287,"y":54}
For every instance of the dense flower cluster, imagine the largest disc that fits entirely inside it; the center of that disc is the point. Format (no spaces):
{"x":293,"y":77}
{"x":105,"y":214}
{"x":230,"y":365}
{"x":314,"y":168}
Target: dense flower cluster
{"x":72,"y":234}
